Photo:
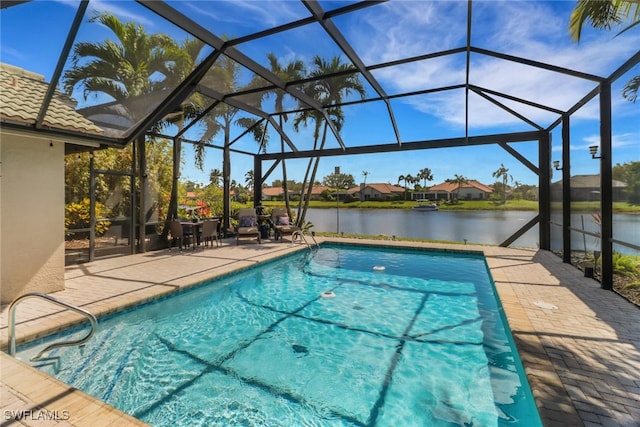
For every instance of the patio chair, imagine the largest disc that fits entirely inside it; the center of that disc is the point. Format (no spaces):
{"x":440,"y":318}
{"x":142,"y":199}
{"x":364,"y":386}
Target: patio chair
{"x":247,"y":224}
{"x":209,"y":232}
{"x":178,"y":234}
{"x":282,"y":223}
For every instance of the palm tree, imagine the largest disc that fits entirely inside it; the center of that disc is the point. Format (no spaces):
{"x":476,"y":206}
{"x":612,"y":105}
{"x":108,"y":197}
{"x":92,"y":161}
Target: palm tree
{"x":402,"y":178}
{"x":328,"y":92}
{"x":364,"y":184}
{"x":503,"y":173}
{"x":183,"y":60}
{"x":224,"y":77}
{"x":602,"y":14}
{"x":291,"y":72}
{"x":425,"y":175}
{"x":408,"y":179}
{"x":249,"y":179}
{"x":123,"y":69}
{"x":119,"y":69}
{"x":459,"y":180}
{"x":215,"y":176}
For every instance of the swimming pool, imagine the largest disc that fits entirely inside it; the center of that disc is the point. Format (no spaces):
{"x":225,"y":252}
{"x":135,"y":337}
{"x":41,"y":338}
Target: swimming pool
{"x":420,"y":342}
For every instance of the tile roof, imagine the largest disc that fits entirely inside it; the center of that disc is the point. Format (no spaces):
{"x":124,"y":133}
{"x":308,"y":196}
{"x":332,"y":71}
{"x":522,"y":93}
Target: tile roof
{"x":382,"y":188}
{"x":450,"y":187}
{"x":21,"y":95}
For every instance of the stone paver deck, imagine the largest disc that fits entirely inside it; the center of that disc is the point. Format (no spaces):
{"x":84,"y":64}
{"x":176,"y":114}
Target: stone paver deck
{"x":580,"y":345}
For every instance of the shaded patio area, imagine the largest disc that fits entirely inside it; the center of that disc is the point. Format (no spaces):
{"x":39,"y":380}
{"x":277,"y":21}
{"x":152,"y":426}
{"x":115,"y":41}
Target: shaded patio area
{"x":580,"y":345}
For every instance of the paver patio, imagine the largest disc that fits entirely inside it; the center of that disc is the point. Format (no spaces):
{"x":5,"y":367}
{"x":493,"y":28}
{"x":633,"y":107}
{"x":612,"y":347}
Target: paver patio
{"x":580,"y":345}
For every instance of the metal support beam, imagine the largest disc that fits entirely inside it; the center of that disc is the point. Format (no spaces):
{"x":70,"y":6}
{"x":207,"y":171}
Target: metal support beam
{"x":606,"y":188}
{"x":566,"y":190}
{"x":248,"y":108}
{"x":257,"y":181}
{"x":508,"y":110}
{"x":226,"y":188}
{"x":544,"y":183}
{"x":515,"y":236}
{"x":172,"y":15}
{"x":333,"y":31}
{"x":522,"y":159}
{"x":417,"y":145}
{"x":62,"y":59}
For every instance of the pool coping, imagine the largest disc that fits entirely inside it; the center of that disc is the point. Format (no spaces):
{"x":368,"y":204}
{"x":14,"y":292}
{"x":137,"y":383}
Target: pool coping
{"x":515,"y":272}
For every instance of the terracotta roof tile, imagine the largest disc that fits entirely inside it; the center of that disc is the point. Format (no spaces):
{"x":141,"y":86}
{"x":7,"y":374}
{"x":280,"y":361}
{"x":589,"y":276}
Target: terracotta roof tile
{"x":382,"y":188}
{"x":21,"y":95}
{"x":452,"y":186}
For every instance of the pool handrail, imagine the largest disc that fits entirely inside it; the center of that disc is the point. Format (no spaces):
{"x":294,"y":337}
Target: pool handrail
{"x":12,"y":323}
{"x":303,"y":238}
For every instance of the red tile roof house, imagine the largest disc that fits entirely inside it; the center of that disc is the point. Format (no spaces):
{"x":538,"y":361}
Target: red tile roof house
{"x":276,"y":193}
{"x":472,"y":190}
{"x":377,"y":191}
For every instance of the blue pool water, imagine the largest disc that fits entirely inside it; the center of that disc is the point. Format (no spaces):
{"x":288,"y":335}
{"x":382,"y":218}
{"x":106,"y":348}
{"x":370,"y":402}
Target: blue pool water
{"x":420,"y":343}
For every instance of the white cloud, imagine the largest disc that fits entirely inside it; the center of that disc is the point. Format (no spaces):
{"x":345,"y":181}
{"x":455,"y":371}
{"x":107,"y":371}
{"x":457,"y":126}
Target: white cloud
{"x":617,"y":141}
{"x":534,"y":30}
{"x":124,"y":13}
{"x":264,"y":13}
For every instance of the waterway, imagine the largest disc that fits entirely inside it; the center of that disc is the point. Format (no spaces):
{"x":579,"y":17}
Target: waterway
{"x":485,"y":227}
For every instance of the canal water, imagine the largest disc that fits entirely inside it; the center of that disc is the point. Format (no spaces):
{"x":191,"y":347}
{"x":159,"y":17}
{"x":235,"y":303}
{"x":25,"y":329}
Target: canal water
{"x":485,"y":227}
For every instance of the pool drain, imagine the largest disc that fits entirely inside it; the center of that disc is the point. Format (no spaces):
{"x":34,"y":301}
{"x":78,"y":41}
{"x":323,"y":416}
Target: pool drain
{"x":328,"y":294}
{"x":300,"y":349}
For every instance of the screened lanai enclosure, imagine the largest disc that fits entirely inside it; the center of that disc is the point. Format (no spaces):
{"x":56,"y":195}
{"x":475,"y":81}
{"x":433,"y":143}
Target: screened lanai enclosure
{"x":277,"y":83}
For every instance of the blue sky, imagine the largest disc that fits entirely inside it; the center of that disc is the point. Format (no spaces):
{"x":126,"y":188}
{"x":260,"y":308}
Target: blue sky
{"x":386,"y":32}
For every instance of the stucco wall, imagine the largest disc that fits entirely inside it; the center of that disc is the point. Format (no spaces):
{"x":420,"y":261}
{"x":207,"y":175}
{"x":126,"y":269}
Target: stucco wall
{"x":31,"y":215}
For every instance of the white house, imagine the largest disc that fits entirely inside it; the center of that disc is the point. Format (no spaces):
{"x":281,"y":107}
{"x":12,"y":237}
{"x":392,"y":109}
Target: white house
{"x":471,"y":190}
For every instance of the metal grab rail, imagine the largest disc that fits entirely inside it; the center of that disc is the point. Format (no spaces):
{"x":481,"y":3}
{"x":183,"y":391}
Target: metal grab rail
{"x":12,"y":323}
{"x":303,"y":238}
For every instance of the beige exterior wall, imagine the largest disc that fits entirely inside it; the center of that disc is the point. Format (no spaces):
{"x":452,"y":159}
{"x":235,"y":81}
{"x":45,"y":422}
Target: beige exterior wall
{"x":471,"y":193}
{"x":31,"y":215}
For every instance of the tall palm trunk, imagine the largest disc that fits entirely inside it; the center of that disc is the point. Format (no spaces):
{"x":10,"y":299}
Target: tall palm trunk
{"x":285,"y":186}
{"x":172,"y":210}
{"x":301,"y":218}
{"x":303,"y":187}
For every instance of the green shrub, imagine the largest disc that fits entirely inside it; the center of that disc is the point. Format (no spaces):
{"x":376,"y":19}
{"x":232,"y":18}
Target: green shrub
{"x":78,"y":215}
{"x":626,"y":265}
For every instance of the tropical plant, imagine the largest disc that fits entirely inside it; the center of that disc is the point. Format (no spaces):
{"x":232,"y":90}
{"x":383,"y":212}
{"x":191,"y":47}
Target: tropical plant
{"x":403,"y":178}
{"x":330,"y":92}
{"x":78,"y":216}
{"x":425,"y":175}
{"x":121,"y":69}
{"x":503,"y":173}
{"x":408,"y":179}
{"x":215,"y":176}
{"x":626,"y":265}
{"x":629,"y":173}
{"x":137,"y":64}
{"x":224,"y":77}
{"x":603,"y":14}
{"x":293,"y":71}
{"x":249,"y":180}
{"x":459,"y":180}
{"x":365,"y":174}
